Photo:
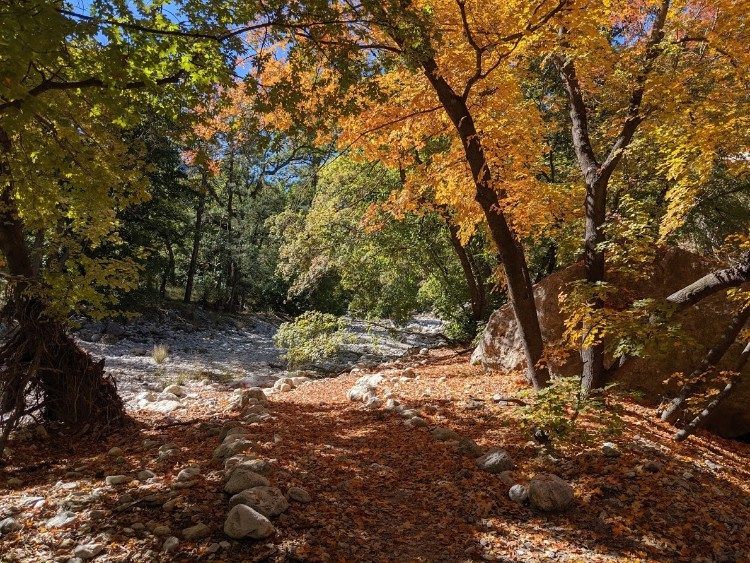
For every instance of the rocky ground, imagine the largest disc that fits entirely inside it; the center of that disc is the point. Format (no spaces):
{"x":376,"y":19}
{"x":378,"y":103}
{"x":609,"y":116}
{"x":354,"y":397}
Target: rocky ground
{"x":409,"y":460}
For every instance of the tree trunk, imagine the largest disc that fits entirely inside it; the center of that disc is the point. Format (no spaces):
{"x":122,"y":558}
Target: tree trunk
{"x":510,"y":253}
{"x":714,"y":356}
{"x":197,"y":233}
{"x":475,"y":287}
{"x":169,"y":270}
{"x":39,"y":362}
{"x":701,"y":417}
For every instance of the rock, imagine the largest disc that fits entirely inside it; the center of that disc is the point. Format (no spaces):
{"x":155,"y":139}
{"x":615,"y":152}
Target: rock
{"x":468,"y":447}
{"x":298,"y":494}
{"x":115,"y":452}
{"x":176,"y":390}
{"x":269,"y":501}
{"x":145,"y":475}
{"x":518,"y":493}
{"x":610,"y":450}
{"x":284,"y":382}
{"x":61,"y":519}
{"x":285,"y":387}
{"x":8,"y":525}
{"x":138,"y":526}
{"x":188,"y":473}
{"x":164,"y":406}
{"x":409,"y":373}
{"x":88,"y":550}
{"x":550,"y":493}
{"x":170,"y":544}
{"x":96,"y":515}
{"x":365,"y":387}
{"x":416,"y":422}
{"x":297,"y":381}
{"x":14,"y":482}
{"x":495,"y":461}
{"x":114,"y":480}
{"x":444,"y":434}
{"x":393,"y":405}
{"x":260,"y":466}
{"x":374,"y":403}
{"x":225,"y":451}
{"x":424,"y":351}
{"x":32,"y":502}
{"x":161,"y":530}
{"x":200,"y":530}
{"x":501,"y":348}
{"x":213,"y":548}
{"x":242,"y":478}
{"x":652,"y":466}
{"x":244,"y":522}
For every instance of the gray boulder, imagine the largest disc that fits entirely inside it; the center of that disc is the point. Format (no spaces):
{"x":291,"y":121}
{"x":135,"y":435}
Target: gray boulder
{"x":244,"y":522}
{"x":550,"y":493}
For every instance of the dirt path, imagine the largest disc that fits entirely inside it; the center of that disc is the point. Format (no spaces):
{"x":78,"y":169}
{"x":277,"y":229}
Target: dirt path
{"x":381,"y":490}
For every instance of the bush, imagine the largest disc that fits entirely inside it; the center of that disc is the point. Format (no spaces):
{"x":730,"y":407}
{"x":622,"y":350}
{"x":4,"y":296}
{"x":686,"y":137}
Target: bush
{"x":311,"y":337}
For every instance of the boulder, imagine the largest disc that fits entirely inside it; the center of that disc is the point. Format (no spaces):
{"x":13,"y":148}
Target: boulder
{"x":298,"y":494}
{"x":550,"y":493}
{"x":269,"y":501}
{"x":500,"y":347}
{"x":88,"y":550}
{"x":244,"y":522}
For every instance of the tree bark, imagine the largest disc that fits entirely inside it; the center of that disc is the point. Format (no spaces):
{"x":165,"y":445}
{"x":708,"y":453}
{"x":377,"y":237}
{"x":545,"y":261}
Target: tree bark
{"x":596,"y":177}
{"x":474,"y":286}
{"x":510,"y":253}
{"x":197,"y":234}
{"x":168,"y":271}
{"x":714,"y":356}
{"x":712,"y":283}
{"x":701,"y":417}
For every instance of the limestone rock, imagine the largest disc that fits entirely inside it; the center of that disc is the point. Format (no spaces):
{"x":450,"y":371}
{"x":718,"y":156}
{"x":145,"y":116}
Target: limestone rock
{"x":269,"y":501}
{"x":244,"y":522}
{"x":495,"y":461}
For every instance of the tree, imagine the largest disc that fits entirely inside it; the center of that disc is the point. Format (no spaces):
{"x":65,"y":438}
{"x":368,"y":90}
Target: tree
{"x":70,"y":83}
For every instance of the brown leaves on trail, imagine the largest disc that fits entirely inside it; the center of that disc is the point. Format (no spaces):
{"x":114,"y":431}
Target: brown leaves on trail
{"x":383,"y":491}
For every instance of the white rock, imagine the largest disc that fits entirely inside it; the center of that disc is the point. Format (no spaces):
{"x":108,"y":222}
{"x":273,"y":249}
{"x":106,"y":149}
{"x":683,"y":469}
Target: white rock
{"x":424,"y":351}
{"x":374,"y":403}
{"x":244,"y":522}
{"x":549,"y":493}
{"x":610,"y":449}
{"x":269,"y":501}
{"x":241,"y":479}
{"x":170,"y":544}
{"x":365,"y":387}
{"x":495,"y":461}
{"x":518,"y":493}
{"x":188,"y":473}
{"x":285,"y":387}
{"x":88,"y":550}
{"x":176,"y":390}
{"x":61,"y":519}
{"x":164,"y":406}
{"x":260,"y":466}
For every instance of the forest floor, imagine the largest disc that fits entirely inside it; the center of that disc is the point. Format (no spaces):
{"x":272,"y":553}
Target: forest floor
{"x":380,"y":489}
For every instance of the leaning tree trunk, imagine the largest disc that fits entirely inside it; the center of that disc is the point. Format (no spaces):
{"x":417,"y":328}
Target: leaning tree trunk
{"x":709,"y":363}
{"x":700,"y":418}
{"x":41,"y":366}
{"x":474,"y":285}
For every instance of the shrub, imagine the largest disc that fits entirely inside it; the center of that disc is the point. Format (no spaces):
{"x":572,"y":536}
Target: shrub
{"x":160,"y":353}
{"x":311,"y":337}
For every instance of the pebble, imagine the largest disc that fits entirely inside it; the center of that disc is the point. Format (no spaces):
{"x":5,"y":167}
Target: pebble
{"x":200,"y":530}
{"x":88,"y":550}
{"x":298,"y":494}
{"x":188,"y":473}
{"x":145,"y":475}
{"x":444,"y":434}
{"x":115,"y":452}
{"x":518,"y":493}
{"x":609,"y":449}
{"x":113,"y":480}
{"x":161,"y":530}
{"x":61,"y":519}
{"x":8,"y":525}
{"x":170,"y":544}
